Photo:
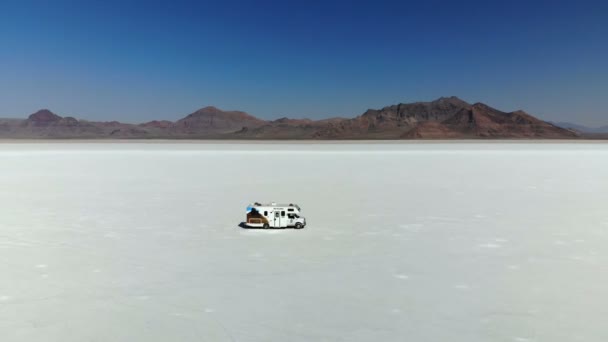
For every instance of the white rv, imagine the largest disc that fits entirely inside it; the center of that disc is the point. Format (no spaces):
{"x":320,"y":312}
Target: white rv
{"x":274,"y":216}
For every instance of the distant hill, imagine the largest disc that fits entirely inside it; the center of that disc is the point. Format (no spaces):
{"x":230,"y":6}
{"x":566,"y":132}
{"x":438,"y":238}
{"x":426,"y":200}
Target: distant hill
{"x":444,"y":118}
{"x":210,"y":120}
{"x":582,"y":128}
{"x":46,"y":124}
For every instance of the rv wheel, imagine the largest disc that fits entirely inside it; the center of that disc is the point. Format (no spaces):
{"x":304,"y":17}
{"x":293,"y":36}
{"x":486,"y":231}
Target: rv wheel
{"x":266,"y":226}
{"x":299,"y":225}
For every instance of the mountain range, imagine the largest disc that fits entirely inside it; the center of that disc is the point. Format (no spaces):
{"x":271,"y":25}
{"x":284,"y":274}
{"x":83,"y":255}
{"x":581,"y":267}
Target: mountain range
{"x":444,"y":118}
{"x":582,"y":128}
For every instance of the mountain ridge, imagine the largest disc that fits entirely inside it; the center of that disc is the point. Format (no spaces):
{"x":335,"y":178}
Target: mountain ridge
{"x":443,"y":118}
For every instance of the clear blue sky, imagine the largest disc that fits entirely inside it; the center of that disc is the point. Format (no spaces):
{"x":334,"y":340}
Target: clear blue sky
{"x":137,"y":61}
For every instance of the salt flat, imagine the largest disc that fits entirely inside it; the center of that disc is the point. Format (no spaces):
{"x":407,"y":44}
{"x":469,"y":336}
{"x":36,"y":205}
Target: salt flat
{"x":405,"y":242}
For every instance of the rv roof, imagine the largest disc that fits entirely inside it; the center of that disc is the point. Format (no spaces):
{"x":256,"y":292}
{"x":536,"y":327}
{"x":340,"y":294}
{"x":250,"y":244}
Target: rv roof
{"x":258,"y":204}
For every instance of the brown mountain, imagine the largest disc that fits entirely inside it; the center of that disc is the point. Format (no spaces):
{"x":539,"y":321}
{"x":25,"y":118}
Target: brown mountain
{"x":444,"y":118}
{"x":213,"y":121}
{"x":46,"y":124}
{"x":42,"y":118}
{"x":284,"y":128}
{"x":480,"y":120}
{"x":160,"y":124}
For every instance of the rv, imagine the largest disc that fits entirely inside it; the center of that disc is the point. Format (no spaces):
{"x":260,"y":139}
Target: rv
{"x":274,"y":216}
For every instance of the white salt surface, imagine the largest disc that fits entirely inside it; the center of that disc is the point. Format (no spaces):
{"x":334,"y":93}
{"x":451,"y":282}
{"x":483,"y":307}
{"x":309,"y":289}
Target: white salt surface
{"x":405,"y":242}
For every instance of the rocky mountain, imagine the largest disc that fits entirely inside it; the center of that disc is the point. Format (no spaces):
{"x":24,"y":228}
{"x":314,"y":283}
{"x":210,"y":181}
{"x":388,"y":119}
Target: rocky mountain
{"x":42,"y":118}
{"x":210,"y":120}
{"x":46,"y":124}
{"x":444,"y":118}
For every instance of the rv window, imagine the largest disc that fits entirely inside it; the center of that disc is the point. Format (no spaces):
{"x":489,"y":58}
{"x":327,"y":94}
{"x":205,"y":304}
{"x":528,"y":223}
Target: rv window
{"x":283,"y":213}
{"x":265,"y":213}
{"x":289,"y":209}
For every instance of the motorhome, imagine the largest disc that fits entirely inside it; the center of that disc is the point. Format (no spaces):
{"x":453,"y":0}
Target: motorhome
{"x":274,"y":215}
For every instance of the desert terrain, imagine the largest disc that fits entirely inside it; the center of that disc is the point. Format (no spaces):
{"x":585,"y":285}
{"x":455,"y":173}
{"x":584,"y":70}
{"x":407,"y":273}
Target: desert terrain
{"x":405,"y":241}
